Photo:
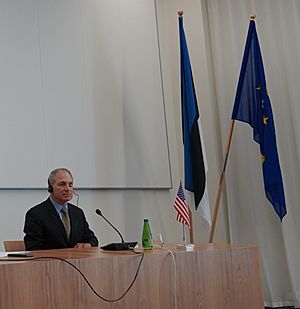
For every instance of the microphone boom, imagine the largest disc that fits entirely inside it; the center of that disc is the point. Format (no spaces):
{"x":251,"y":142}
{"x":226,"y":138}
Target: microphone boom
{"x":116,"y":246}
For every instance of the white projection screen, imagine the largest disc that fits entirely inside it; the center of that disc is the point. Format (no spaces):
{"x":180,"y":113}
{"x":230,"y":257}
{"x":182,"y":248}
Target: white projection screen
{"x":81,"y":87}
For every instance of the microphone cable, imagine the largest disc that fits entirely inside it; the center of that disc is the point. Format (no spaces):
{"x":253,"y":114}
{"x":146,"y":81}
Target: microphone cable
{"x":82,"y":275}
{"x":77,"y":196}
{"x":175,"y":276}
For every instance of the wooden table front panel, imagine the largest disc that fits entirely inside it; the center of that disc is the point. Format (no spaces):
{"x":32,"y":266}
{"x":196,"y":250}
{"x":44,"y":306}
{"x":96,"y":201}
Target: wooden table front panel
{"x":211,"y":277}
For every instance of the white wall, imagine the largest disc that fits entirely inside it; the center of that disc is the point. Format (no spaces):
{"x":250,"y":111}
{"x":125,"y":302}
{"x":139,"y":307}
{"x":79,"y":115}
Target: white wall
{"x":80,"y":81}
{"x":127,"y":208}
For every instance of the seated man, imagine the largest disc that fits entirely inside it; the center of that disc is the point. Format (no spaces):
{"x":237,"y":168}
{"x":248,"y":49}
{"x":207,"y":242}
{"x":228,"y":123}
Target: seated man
{"x":55,"y":223}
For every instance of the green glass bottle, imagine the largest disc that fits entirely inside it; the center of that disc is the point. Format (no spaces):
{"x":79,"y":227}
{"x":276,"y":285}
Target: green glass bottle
{"x":147,"y":235}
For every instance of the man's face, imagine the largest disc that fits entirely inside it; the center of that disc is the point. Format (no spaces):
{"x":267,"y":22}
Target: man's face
{"x":62,"y":187}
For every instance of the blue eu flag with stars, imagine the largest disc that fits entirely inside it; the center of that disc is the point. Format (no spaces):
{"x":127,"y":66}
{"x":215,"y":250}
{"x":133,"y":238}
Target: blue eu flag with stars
{"x":252,"y":105}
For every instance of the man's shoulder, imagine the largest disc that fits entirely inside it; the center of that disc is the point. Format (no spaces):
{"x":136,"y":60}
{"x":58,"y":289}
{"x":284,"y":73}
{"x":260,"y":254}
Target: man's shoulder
{"x":40,"y":207}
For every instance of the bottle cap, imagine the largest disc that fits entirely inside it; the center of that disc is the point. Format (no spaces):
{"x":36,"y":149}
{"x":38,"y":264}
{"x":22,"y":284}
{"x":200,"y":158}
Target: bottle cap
{"x":146,"y":219}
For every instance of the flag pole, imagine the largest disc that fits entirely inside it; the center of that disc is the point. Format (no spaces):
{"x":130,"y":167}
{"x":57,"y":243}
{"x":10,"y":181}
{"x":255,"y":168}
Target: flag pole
{"x":222,"y":176}
{"x":183,"y":234}
{"x":221,"y":183}
{"x":191,"y":231}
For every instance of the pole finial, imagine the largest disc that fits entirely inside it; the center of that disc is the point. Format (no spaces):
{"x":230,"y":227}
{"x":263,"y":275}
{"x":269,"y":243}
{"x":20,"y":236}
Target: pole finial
{"x":180,"y":13}
{"x":252,"y":16}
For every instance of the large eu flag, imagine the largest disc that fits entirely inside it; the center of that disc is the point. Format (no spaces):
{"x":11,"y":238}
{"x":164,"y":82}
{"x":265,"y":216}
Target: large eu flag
{"x":194,"y":168}
{"x":252,"y":105}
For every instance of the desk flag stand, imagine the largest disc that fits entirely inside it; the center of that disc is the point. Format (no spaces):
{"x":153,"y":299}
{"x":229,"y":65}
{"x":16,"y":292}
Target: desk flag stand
{"x":184,"y":245}
{"x":183,"y":216}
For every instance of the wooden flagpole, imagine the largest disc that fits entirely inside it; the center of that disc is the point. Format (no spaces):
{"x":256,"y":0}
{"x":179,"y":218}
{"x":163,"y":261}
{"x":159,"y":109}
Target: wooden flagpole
{"x":222,"y":176}
{"x":221,"y":183}
{"x":191,"y":229}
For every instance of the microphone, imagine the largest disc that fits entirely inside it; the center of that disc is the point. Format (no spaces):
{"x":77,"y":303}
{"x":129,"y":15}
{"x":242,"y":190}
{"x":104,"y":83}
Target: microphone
{"x":99,"y":212}
{"x":116,"y":246}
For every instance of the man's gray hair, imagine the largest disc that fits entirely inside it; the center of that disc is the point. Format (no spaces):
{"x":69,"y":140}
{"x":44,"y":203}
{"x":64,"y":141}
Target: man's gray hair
{"x":57,"y":170}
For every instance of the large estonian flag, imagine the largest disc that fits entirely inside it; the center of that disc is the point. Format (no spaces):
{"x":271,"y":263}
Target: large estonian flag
{"x":252,"y":105}
{"x":194,"y":157}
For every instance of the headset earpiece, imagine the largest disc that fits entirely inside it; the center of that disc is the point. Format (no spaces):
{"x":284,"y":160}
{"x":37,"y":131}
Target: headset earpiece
{"x":50,"y":188}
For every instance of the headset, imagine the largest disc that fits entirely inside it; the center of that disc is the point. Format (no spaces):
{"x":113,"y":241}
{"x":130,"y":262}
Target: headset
{"x":50,"y":188}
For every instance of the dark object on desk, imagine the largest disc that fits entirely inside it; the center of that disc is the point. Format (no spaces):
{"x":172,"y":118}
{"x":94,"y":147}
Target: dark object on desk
{"x":120,"y":246}
{"x":20,"y":254}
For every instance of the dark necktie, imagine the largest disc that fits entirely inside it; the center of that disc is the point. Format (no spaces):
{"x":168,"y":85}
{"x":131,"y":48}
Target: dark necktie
{"x":66,"y":220}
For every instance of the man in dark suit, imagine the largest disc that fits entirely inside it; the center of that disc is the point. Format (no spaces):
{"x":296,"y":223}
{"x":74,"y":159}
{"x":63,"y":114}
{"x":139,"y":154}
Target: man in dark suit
{"x":55,"y":223}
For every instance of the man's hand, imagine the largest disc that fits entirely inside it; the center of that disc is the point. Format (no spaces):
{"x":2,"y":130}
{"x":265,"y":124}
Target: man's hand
{"x":83,"y":245}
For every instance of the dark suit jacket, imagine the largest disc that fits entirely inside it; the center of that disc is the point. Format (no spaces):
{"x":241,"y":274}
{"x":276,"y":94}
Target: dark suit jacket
{"x":44,"y":228}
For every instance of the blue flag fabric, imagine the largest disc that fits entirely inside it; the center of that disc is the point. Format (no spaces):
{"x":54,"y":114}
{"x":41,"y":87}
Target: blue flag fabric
{"x":194,"y":169}
{"x":252,"y":105}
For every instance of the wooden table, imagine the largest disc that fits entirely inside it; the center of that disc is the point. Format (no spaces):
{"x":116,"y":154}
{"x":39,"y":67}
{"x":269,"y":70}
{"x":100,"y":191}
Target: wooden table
{"x":217,"y":276}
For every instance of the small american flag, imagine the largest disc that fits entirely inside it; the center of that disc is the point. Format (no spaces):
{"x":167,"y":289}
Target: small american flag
{"x":182,"y":208}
